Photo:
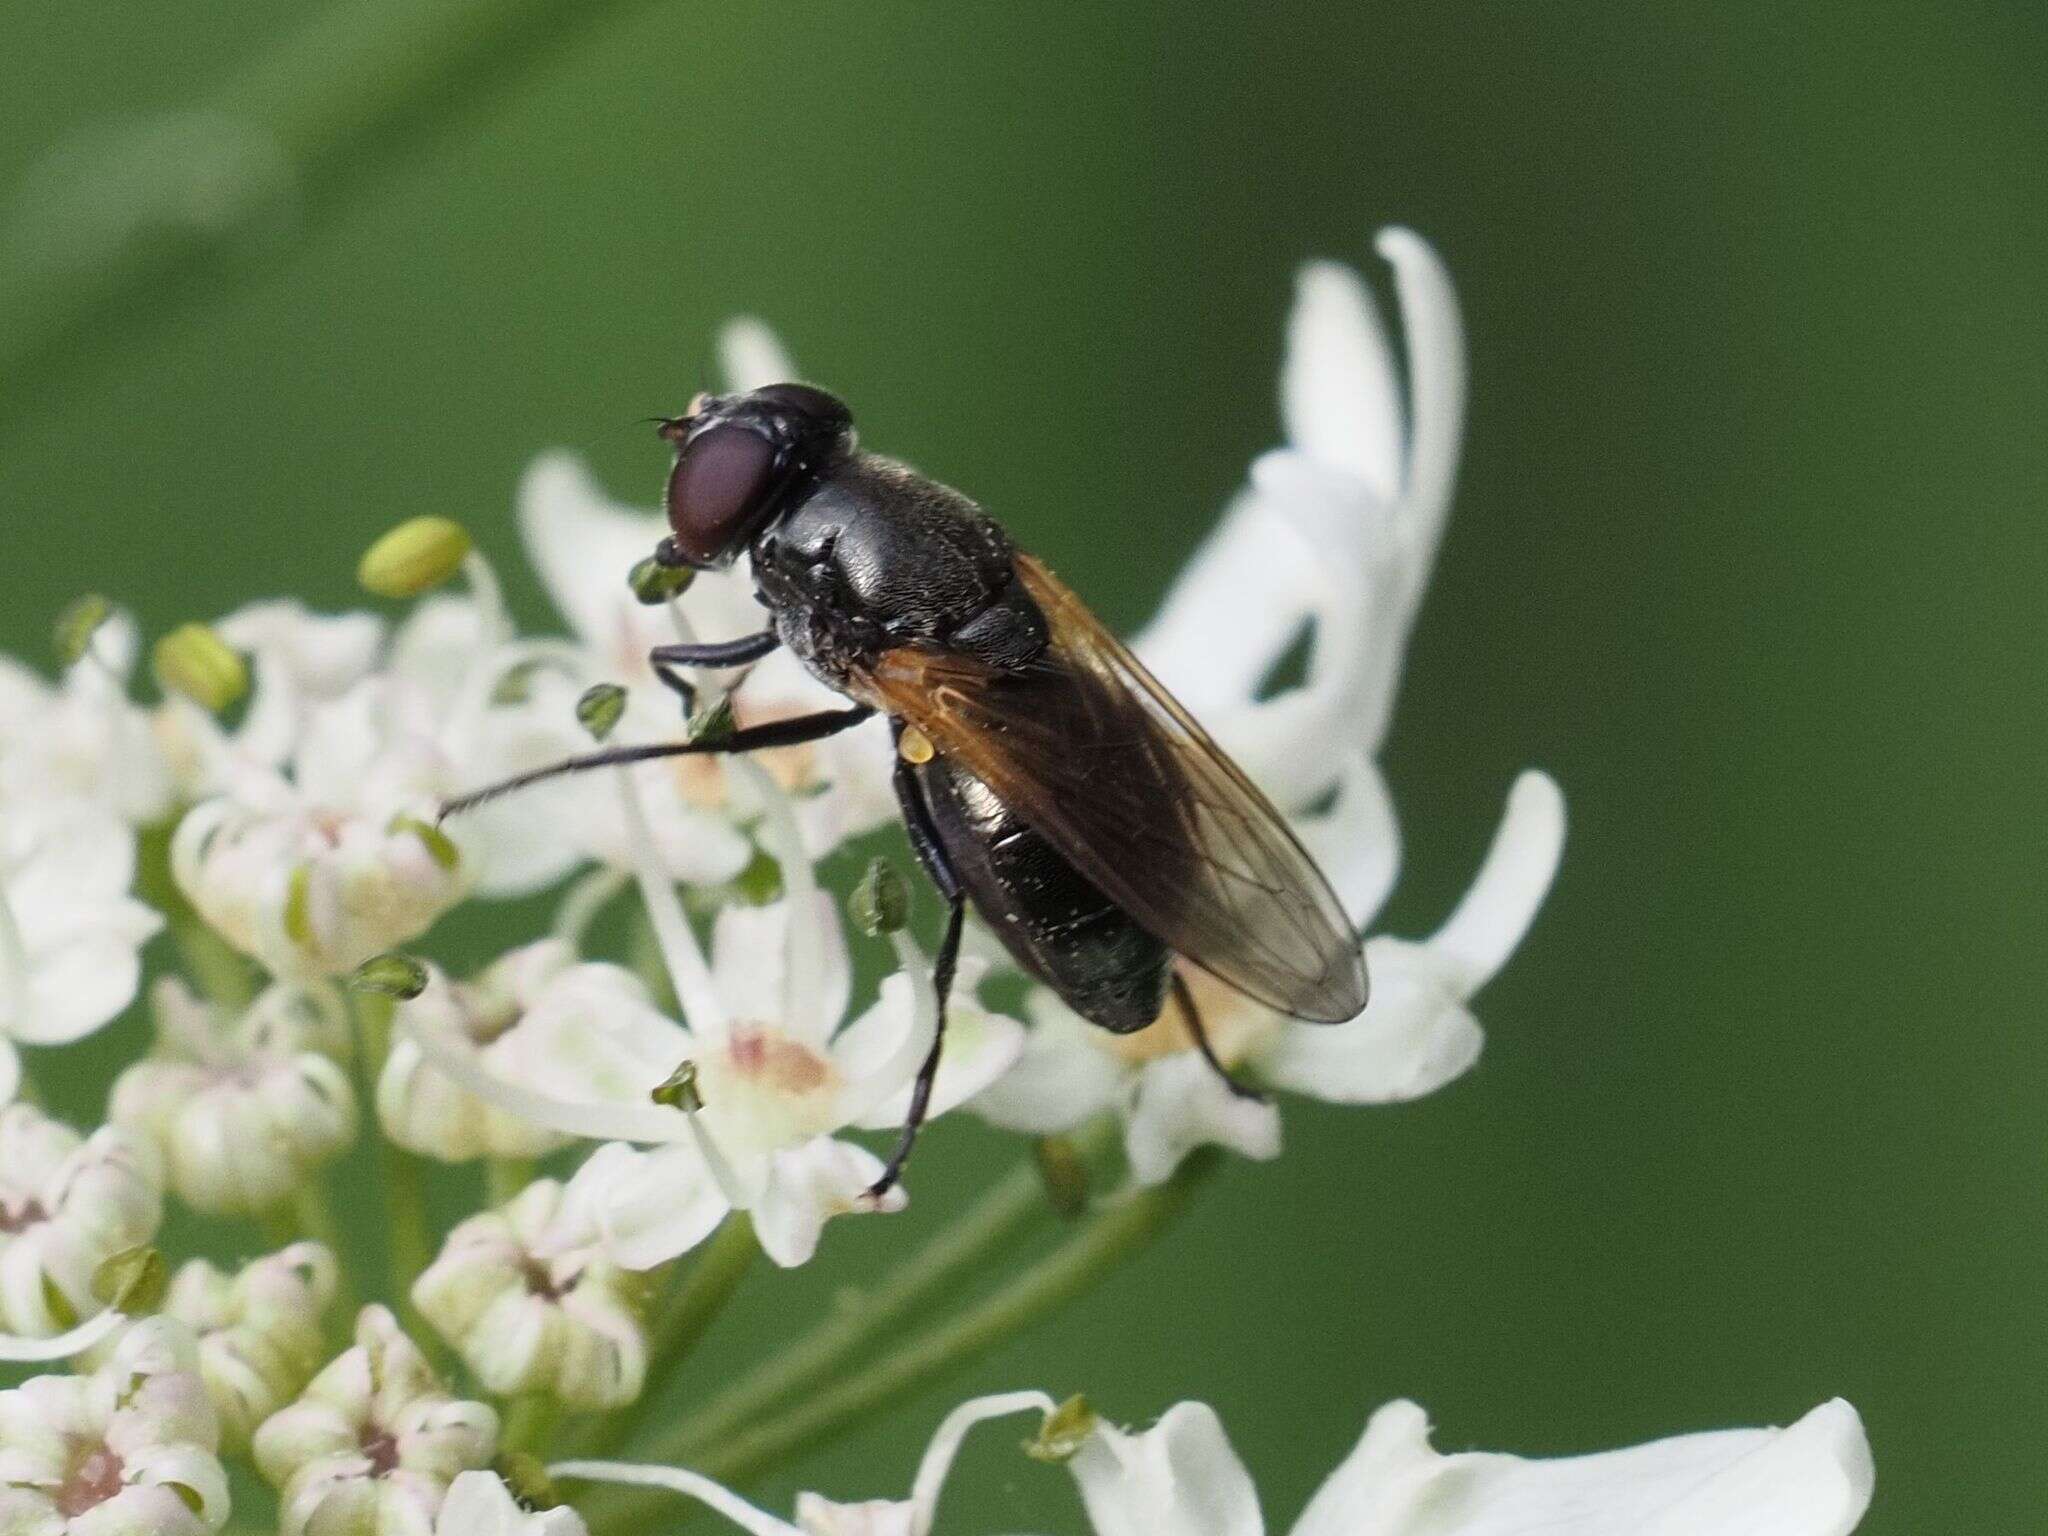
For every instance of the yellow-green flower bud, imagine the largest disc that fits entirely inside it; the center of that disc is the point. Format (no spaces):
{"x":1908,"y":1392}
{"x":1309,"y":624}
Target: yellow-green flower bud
{"x":398,"y":976}
{"x":880,"y":904}
{"x":132,"y":1281}
{"x":78,"y":623}
{"x":600,"y":710}
{"x":713,"y":726}
{"x":1065,"y":1430}
{"x":194,"y":661}
{"x":679,"y":1091}
{"x":415,"y":557}
{"x":654,"y":583}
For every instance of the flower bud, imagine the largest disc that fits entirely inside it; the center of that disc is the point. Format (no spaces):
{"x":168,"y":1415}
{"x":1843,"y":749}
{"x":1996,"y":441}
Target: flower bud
{"x":600,"y":709}
{"x":530,"y":1312}
{"x":241,"y":1113}
{"x":395,"y":976}
{"x":383,"y":1394}
{"x":1063,"y":1433}
{"x":68,"y":1205}
{"x":713,"y":726}
{"x":194,"y":661}
{"x":679,"y":1089}
{"x":655,"y":583}
{"x":880,"y":904}
{"x":78,"y":623}
{"x":259,"y":1331}
{"x":415,"y":557}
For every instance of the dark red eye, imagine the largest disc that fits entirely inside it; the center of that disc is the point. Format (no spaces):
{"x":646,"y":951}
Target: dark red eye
{"x":718,"y":491}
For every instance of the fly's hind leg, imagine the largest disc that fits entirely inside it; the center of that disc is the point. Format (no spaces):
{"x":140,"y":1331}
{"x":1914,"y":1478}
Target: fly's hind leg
{"x":1185,"y":998}
{"x":924,"y":840}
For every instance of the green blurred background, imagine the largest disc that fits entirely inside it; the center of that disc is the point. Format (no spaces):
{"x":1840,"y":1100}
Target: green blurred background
{"x":1748,"y":552}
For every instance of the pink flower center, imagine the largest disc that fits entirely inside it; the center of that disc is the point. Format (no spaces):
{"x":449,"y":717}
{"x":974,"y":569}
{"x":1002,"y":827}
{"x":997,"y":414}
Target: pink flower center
{"x":776,"y":1062}
{"x":93,"y":1481}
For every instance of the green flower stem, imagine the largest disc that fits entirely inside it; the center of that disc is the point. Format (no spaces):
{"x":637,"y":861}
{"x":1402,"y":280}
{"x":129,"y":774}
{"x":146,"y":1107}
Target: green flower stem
{"x":1094,"y":1250}
{"x":686,"y":1316}
{"x":409,"y":1235}
{"x":312,"y":1216}
{"x":157,"y":212}
{"x":529,"y":1420}
{"x":956,"y":1255}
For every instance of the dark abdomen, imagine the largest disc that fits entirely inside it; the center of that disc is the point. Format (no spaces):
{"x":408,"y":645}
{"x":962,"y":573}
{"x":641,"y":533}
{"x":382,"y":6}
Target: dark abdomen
{"x":1055,"y":923}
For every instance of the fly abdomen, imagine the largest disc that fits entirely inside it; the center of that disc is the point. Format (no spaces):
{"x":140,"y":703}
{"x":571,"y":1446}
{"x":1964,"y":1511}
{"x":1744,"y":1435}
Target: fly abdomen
{"x":1056,"y":924}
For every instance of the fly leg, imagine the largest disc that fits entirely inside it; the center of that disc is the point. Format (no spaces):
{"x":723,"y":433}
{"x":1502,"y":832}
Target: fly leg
{"x":931,"y":853}
{"x":665,"y":659}
{"x":1186,"y":999}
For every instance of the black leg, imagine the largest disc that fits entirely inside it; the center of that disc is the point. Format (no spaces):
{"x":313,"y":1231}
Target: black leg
{"x":751,"y":738}
{"x":716,"y":653}
{"x":665,"y":659}
{"x":928,"y":1074}
{"x":1186,"y":999}
{"x":931,"y":853}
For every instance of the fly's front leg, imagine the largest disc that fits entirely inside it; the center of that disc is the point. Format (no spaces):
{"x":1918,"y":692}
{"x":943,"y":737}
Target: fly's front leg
{"x":665,"y":659}
{"x":931,"y":853}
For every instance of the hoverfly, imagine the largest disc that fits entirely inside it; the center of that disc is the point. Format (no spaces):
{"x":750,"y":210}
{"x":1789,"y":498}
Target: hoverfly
{"x":1045,"y":777}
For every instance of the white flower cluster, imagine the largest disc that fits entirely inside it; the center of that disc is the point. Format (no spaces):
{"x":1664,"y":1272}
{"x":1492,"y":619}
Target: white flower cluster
{"x":280,"y":804}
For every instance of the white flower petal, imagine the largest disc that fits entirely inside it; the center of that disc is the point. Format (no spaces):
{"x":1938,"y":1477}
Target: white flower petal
{"x":1061,"y":1079}
{"x":980,"y":1047}
{"x":479,"y":1504}
{"x":1509,"y":889}
{"x":752,"y":356}
{"x":1435,"y":334}
{"x":1339,"y":393}
{"x":1181,"y":1104}
{"x":810,"y":1185}
{"x":1813,"y":1479}
{"x":1179,"y":1478}
{"x":647,"y":1207}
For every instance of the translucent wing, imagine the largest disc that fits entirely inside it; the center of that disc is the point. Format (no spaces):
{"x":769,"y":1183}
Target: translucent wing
{"x":1090,"y":749}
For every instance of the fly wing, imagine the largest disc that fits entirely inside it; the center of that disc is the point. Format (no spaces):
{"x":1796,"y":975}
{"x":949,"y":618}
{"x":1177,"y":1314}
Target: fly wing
{"x":1089,"y":749}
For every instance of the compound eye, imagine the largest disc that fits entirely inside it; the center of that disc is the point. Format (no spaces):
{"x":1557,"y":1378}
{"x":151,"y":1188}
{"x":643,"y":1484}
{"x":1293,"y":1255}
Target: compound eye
{"x":718,"y":492}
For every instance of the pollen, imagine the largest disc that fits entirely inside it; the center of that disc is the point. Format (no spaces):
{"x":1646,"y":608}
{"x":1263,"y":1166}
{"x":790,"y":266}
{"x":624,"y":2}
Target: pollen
{"x":915,"y":747}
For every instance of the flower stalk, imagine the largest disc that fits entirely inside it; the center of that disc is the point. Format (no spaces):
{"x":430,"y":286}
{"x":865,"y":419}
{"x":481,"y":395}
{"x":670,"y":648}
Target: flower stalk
{"x":1093,"y":1251}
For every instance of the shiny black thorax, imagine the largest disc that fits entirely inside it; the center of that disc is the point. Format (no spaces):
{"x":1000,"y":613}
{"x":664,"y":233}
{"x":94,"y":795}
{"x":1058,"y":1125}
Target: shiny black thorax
{"x":865,"y":556}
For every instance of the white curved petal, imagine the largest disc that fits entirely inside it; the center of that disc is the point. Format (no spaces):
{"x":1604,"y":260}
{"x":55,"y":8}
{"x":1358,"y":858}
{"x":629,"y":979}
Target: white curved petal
{"x":1339,"y":392}
{"x":718,"y":1498}
{"x":479,"y":1504}
{"x":1357,"y":841}
{"x":1061,"y":1078}
{"x":1435,"y":334}
{"x":1412,"y":1039}
{"x":1509,"y":889}
{"x":808,"y":1186}
{"x":1813,"y":1479}
{"x":1181,"y":1477}
{"x":1231,"y":613}
{"x":980,"y":1047}
{"x":752,"y":356}
{"x":648,"y":1207}
{"x":938,"y":1458}
{"x":581,"y":543}
{"x":1181,"y":1104}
